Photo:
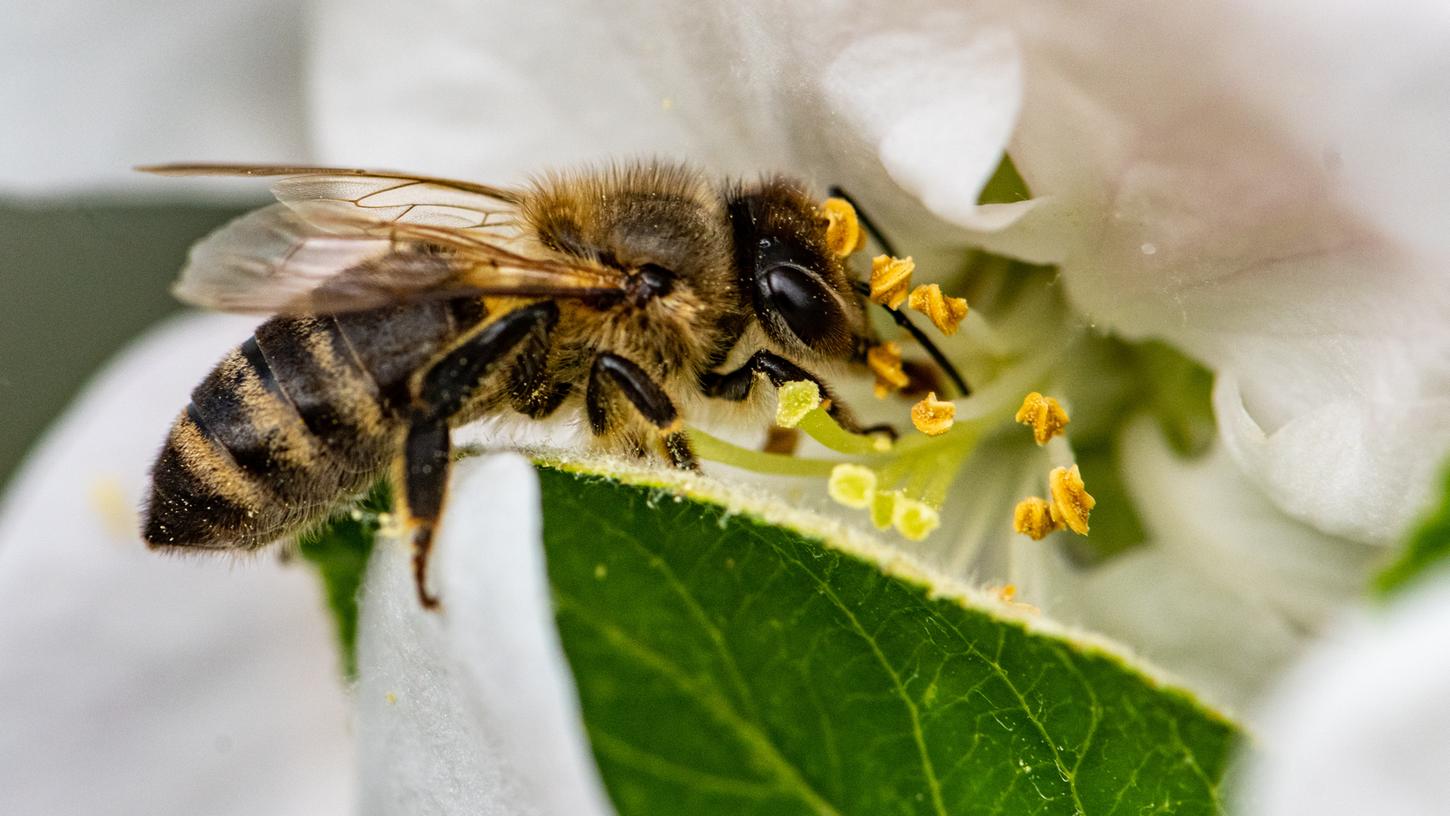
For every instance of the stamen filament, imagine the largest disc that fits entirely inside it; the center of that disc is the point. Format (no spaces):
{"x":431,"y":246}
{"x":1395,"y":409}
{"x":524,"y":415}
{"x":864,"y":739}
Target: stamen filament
{"x":819,"y":425}
{"x":715,"y":449}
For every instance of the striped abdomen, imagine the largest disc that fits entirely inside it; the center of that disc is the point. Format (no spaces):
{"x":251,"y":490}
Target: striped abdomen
{"x":302,"y":415}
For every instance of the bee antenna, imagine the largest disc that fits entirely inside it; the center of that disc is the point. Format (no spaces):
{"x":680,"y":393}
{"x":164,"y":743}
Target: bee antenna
{"x":915,"y":331}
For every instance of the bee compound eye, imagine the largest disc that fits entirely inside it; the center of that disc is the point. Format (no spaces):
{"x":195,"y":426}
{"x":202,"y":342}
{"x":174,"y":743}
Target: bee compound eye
{"x":807,"y":305}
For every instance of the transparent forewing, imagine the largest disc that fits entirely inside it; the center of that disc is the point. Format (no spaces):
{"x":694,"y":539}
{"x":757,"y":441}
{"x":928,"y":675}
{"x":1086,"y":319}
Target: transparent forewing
{"x":327,"y":254}
{"x":301,"y":171}
{"x":410,"y":201}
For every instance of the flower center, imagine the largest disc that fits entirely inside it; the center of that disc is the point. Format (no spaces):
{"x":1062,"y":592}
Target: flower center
{"x":904,"y":485}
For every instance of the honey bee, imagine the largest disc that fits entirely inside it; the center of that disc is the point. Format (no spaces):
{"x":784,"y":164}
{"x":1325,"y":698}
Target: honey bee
{"x":403,"y":306}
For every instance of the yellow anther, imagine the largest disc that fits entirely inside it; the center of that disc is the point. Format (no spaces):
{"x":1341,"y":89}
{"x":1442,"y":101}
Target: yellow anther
{"x":843,"y":229}
{"x":1033,"y":518}
{"x":946,"y":313}
{"x":890,"y":279}
{"x":932,"y":416}
{"x":852,"y":485}
{"x":913,"y":519}
{"x":1071,"y":502}
{"x":1044,"y":415}
{"x":884,"y":360}
{"x":794,"y":400}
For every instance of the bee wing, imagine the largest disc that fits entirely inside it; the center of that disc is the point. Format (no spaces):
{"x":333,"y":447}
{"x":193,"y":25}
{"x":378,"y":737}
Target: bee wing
{"x":343,"y":240}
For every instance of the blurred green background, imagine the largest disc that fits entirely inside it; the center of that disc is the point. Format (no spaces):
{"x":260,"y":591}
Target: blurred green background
{"x":78,"y":281}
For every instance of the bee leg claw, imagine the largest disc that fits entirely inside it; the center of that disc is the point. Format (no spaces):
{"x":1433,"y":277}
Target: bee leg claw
{"x":422,"y":547}
{"x":425,"y":462}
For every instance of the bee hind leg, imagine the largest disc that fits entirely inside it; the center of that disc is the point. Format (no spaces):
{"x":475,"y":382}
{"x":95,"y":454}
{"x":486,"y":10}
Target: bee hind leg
{"x":425,"y":465}
{"x":438,"y":393}
{"x":647,"y":397}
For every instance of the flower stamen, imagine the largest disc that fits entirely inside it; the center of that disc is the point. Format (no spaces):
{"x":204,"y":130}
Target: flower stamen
{"x":852,"y":485}
{"x":915,"y":520}
{"x":843,"y":228}
{"x":932,"y":416}
{"x":1044,"y":415}
{"x":1068,"y":507}
{"x":1071,"y":503}
{"x":946,"y":313}
{"x":794,"y":400}
{"x":884,"y":360}
{"x":890,"y":280}
{"x":1032,"y":517}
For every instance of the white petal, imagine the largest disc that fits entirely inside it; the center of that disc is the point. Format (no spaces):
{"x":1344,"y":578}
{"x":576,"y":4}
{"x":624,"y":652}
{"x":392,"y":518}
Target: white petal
{"x":92,"y":89}
{"x":852,"y":93}
{"x":1368,"y":86}
{"x":1189,"y":209}
{"x":472,"y":710}
{"x":135,"y":683}
{"x":1228,"y":587}
{"x":1360,"y":725}
{"x":1356,"y":468}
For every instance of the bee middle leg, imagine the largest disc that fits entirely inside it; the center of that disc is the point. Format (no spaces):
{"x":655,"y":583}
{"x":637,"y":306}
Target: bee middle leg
{"x":737,"y":385}
{"x":440,"y":392}
{"x":647,"y":397}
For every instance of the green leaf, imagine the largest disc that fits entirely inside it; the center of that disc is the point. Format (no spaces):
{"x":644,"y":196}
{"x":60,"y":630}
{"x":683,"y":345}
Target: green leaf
{"x":1005,"y":186}
{"x":339,"y":551}
{"x":1428,"y":550}
{"x":726,"y":665}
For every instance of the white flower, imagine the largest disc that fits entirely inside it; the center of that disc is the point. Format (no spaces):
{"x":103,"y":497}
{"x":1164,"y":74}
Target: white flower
{"x":472,"y":710}
{"x":1360,"y":725}
{"x":133,"y":683}
{"x":1179,"y":204}
{"x":1236,"y":209}
{"x":1205,"y":176}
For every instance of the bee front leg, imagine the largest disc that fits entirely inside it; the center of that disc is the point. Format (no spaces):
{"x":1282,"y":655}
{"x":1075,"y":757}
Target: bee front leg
{"x":647,"y":397}
{"x":439,"y":392}
{"x":737,"y":385}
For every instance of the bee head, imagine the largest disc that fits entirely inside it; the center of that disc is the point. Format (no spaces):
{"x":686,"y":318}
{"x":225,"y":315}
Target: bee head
{"x":801,"y":292}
